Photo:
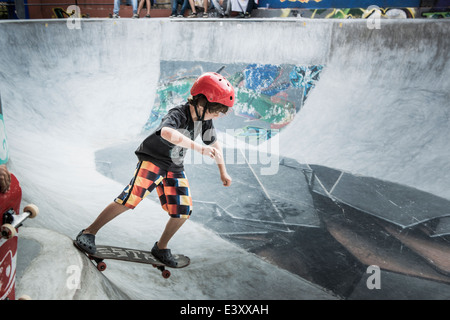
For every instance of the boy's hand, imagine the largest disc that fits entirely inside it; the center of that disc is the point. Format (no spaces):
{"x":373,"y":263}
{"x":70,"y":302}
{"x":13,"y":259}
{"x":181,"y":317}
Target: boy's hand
{"x":216,"y":154}
{"x":226,"y":179}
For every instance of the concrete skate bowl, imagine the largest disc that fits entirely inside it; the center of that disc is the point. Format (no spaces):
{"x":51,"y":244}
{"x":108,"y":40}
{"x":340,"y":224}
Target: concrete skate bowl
{"x":349,"y":112}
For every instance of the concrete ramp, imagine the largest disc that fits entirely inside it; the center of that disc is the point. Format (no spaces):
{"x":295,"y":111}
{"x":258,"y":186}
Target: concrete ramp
{"x":380,"y":108}
{"x":398,"y":204}
{"x":372,"y":102}
{"x":58,"y":271}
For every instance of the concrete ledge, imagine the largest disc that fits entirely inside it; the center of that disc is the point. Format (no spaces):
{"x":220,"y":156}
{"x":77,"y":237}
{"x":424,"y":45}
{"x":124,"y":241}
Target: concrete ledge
{"x":59,"y":272}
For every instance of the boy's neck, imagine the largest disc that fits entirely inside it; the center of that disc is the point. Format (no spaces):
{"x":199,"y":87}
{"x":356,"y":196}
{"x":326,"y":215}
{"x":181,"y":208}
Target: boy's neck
{"x":193,"y":113}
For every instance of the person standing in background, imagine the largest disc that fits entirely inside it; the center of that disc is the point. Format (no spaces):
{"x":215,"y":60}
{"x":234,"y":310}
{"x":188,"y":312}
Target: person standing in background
{"x":148,"y":4}
{"x":117,"y":9}
{"x":197,"y":3}
{"x":175,"y":3}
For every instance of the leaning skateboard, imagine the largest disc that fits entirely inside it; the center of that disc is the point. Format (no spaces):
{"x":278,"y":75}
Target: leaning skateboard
{"x":132,"y":255}
{"x":10,"y":221}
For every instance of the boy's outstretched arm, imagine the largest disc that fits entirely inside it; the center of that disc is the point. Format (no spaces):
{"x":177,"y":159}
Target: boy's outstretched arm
{"x":213,"y":151}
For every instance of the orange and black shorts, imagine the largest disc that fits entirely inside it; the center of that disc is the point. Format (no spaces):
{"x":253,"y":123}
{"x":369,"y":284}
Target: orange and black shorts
{"x":172,"y":188}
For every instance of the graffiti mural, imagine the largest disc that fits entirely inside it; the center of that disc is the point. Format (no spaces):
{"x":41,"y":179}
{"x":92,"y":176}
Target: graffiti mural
{"x":3,"y":10}
{"x":436,"y":14}
{"x":268,"y":96}
{"x":348,"y":13}
{"x":358,"y":13}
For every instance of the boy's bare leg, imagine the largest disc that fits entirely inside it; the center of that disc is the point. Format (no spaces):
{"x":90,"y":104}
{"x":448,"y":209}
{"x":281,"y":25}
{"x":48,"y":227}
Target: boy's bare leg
{"x":109,"y":213}
{"x":172,"y":227}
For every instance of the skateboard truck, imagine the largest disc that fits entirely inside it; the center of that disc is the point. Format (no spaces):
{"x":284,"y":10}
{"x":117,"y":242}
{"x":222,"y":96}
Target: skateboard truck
{"x":165,"y":273}
{"x":8,"y":216}
{"x":101,"y":266}
{"x":13,"y":221}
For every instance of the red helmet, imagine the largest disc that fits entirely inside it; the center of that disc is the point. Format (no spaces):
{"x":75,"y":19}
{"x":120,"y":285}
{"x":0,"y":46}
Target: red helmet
{"x":215,"y":88}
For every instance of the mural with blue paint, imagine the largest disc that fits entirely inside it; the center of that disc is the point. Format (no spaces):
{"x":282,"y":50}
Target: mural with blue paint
{"x":305,"y":78}
{"x":268,"y":96}
{"x":3,"y":141}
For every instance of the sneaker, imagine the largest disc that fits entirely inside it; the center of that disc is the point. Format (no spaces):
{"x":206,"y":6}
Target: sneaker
{"x":86,"y":242}
{"x":135,"y":16}
{"x":164,"y":255}
{"x":193,"y":15}
{"x":115,"y":16}
{"x":180,"y":16}
{"x":147,"y":16}
{"x":205,"y":15}
{"x":172,"y":16}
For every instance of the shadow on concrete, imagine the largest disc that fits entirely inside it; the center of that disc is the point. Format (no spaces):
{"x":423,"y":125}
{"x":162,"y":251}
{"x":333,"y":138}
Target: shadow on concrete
{"x":329,"y":227}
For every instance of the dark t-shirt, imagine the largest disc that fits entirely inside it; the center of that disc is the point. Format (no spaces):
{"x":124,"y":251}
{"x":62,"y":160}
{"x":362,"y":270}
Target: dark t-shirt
{"x":169,"y":156}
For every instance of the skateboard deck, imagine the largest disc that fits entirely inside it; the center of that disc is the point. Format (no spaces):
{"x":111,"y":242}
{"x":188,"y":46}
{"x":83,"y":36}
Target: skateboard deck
{"x":10,"y":221}
{"x":133,"y":255}
{"x":9,"y":207}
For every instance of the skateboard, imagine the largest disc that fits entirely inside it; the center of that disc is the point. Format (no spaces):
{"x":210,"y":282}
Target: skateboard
{"x":15,"y":220}
{"x":132,"y":255}
{"x":10,"y":221}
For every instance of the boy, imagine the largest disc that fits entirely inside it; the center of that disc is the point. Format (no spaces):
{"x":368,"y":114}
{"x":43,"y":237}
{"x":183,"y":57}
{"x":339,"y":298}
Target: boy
{"x":160,"y":163}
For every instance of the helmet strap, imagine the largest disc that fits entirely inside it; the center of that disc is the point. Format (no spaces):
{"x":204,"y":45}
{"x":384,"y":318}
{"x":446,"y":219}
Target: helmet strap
{"x":203,"y":115}
{"x":198,"y":115}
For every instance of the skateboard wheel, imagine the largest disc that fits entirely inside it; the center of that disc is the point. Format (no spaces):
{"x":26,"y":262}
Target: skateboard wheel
{"x":32,"y":209}
{"x":166,"y":274}
{"x":101,"y":266}
{"x":8,"y":231}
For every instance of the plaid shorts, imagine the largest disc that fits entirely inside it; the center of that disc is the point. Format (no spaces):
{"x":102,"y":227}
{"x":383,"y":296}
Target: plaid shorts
{"x":172,"y":188}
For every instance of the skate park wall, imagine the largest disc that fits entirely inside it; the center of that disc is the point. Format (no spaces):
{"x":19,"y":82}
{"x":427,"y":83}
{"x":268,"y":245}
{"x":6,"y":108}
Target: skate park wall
{"x":70,"y":88}
{"x":381,"y":107}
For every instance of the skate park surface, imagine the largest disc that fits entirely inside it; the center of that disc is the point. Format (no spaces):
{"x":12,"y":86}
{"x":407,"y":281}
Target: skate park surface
{"x":362,"y":172}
